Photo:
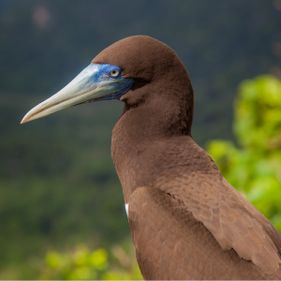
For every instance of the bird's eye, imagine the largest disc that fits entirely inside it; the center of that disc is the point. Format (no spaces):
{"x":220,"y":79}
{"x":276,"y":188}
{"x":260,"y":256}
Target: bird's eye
{"x":114,"y":73}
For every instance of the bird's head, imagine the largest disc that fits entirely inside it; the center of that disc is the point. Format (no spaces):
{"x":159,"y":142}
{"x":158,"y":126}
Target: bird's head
{"x":122,"y":71}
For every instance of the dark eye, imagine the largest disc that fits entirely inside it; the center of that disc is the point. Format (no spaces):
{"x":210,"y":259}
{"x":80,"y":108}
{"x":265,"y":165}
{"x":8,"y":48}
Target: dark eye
{"x":114,"y":73}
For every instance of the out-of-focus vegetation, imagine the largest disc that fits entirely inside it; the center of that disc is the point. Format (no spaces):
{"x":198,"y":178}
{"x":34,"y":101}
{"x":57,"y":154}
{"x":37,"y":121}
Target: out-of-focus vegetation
{"x":58,"y":187}
{"x":253,"y":165}
{"x":83,"y":264}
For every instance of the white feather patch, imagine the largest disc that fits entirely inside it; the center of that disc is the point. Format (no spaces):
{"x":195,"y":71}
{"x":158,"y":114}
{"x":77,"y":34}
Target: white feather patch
{"x":127,"y":209}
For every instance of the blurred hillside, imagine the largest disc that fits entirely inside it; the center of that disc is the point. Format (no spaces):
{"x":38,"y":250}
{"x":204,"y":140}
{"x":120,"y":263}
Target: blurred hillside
{"x":57,"y":182}
{"x":45,"y":43}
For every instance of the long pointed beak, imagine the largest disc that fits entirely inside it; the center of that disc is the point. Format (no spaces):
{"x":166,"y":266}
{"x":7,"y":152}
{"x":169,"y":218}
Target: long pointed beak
{"x":90,"y":84}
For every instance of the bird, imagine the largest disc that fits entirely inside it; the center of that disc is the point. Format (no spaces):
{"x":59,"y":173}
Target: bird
{"x":186,"y":220}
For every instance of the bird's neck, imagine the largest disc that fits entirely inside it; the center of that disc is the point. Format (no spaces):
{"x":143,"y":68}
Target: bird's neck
{"x":136,"y":135}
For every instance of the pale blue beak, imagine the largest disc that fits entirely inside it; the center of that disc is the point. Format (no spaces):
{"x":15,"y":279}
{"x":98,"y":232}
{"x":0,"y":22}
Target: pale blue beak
{"x":95,"y":82}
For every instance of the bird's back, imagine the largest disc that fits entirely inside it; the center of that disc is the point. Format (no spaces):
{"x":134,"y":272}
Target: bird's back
{"x":187,"y":222}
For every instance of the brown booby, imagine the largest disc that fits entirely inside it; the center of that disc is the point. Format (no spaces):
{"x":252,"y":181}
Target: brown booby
{"x":186,"y":221}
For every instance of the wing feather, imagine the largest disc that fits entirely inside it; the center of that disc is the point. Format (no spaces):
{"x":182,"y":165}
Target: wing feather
{"x":234,"y":222}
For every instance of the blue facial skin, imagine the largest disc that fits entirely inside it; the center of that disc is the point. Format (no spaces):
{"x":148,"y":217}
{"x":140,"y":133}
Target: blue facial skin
{"x":103,"y":73}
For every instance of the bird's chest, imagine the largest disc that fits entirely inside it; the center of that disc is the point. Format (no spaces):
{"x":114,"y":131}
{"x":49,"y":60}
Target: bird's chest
{"x":136,"y":158}
{"x":131,"y":165}
{"x":140,"y":159}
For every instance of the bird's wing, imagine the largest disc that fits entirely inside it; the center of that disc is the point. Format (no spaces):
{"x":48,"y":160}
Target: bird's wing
{"x":165,"y":239}
{"x":232,"y":220}
{"x":211,"y":208}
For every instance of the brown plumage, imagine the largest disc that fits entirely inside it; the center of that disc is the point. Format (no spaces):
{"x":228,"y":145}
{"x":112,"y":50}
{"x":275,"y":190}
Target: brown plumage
{"x":186,"y":221}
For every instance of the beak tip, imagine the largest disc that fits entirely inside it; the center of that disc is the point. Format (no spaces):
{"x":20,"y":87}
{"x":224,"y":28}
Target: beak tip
{"x":25,"y":119}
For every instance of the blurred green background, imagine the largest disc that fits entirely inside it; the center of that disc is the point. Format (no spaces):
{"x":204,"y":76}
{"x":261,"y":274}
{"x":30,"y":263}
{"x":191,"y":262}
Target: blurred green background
{"x":61,"y":208}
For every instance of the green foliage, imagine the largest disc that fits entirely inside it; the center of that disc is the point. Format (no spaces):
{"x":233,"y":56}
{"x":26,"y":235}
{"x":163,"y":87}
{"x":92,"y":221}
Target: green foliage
{"x":81,"y":263}
{"x":254,"y":167}
{"x":258,"y":118}
{"x":58,"y":187}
